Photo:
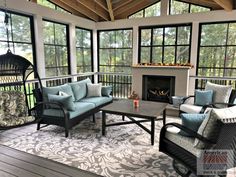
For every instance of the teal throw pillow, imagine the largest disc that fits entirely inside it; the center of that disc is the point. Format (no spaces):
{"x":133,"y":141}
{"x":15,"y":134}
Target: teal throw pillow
{"x":80,"y":88}
{"x":106,"y":90}
{"x":191,"y":121}
{"x":203,"y":97}
{"x":66,"y":101}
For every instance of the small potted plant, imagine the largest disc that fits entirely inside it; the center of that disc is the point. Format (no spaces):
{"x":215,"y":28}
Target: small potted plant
{"x":134,"y":96}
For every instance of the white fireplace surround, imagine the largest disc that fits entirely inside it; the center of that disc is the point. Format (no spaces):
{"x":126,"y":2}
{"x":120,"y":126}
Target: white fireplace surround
{"x":181,"y":74}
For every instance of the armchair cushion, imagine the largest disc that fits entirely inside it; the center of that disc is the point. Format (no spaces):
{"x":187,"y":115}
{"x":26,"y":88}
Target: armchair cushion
{"x":192,"y":109}
{"x":67,"y":101}
{"x":221,"y":92}
{"x":203,"y":97}
{"x":192,"y":121}
{"x":13,"y":109}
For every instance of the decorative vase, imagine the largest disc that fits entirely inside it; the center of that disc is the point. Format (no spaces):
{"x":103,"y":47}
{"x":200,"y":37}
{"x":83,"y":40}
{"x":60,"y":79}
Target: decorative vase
{"x":136,"y":103}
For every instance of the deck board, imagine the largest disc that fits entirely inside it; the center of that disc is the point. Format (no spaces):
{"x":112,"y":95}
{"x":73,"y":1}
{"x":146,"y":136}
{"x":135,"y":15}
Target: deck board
{"x":16,"y":163}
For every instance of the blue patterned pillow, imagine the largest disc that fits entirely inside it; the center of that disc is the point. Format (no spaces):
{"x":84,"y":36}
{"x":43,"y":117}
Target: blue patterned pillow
{"x":203,"y":97}
{"x":191,"y":121}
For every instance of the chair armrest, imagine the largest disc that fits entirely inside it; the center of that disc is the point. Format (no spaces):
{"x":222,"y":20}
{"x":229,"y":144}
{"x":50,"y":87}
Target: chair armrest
{"x":185,"y":99}
{"x":190,"y":132}
{"x":39,"y":107}
{"x":216,"y":104}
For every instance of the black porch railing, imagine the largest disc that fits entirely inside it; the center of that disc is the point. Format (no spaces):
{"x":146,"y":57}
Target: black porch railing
{"x":121,"y":83}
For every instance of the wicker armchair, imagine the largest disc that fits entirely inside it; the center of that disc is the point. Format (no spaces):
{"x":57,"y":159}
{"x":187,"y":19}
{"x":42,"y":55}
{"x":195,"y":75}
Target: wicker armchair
{"x":188,"y":104}
{"x":183,"y":149}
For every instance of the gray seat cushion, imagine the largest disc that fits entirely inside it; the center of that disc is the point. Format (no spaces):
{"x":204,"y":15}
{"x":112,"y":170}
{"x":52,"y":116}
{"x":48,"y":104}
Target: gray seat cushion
{"x":192,"y":109}
{"x":186,"y":143}
{"x":97,"y":100}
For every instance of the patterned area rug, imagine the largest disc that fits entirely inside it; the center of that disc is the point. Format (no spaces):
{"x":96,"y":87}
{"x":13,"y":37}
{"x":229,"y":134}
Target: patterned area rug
{"x":124,"y":151}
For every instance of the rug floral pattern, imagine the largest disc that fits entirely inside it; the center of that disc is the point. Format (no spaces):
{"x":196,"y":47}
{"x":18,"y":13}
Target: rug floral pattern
{"x":125,"y":150}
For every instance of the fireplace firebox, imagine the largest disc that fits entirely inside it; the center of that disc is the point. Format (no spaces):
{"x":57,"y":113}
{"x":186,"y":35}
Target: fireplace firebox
{"x":158,"y":88}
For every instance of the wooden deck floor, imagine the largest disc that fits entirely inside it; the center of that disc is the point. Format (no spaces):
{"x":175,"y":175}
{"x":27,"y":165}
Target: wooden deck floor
{"x":14,"y":163}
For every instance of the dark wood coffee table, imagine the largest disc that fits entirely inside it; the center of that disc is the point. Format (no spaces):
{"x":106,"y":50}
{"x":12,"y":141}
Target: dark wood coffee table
{"x":147,"y":110}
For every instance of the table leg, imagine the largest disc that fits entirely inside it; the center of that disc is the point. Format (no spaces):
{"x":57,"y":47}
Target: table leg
{"x":103,"y":123}
{"x":123,"y":117}
{"x":164,"y":117}
{"x":152,"y":131}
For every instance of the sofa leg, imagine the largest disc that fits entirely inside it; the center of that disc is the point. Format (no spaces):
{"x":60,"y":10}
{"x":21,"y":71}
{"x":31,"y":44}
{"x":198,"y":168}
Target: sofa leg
{"x":94,"y":118}
{"x":67,"y":133}
{"x":38,"y":126}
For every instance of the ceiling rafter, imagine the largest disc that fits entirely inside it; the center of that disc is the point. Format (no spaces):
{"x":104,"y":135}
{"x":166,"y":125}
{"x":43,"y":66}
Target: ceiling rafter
{"x":109,"y":5}
{"x":132,"y":7}
{"x":102,"y":4}
{"x":75,"y":5}
{"x":226,"y":4}
{"x":120,"y":4}
{"x":91,"y":5}
{"x":68,"y":8}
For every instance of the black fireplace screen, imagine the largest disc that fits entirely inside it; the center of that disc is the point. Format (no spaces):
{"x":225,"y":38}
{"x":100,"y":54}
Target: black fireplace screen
{"x":158,"y":88}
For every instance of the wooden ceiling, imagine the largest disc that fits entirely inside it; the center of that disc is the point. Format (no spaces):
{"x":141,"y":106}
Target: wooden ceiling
{"x":110,"y":10}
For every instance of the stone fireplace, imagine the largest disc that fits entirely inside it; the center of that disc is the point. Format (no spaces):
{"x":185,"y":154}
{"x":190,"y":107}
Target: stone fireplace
{"x":176,"y":76}
{"x":158,"y":88}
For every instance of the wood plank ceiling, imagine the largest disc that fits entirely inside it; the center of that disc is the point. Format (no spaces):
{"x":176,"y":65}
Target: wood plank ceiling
{"x":111,"y":10}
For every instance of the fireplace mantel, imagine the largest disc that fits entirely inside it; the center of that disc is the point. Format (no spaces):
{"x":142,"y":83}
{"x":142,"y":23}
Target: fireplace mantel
{"x":181,"y":74}
{"x":163,"y":67}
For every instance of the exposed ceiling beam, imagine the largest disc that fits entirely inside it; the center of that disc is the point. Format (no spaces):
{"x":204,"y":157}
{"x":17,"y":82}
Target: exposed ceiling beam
{"x":109,"y":5}
{"x":68,"y":8}
{"x":120,"y":4}
{"x":226,"y":4}
{"x":132,"y":7}
{"x":102,"y":3}
{"x":91,"y":5}
{"x":75,"y":5}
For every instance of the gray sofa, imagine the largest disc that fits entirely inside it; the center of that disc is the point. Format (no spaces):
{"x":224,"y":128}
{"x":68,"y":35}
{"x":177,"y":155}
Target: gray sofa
{"x":69,"y":104}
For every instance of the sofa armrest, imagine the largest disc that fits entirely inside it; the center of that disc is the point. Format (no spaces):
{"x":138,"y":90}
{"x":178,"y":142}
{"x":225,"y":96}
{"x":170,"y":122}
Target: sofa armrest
{"x":38,"y":109}
{"x":107,"y":90}
{"x":190,"y":132}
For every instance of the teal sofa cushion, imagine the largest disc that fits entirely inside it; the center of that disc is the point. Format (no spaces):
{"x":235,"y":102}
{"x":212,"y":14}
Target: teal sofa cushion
{"x":80,"y":108}
{"x":66,"y":88}
{"x":106,"y":90}
{"x":97,"y":100}
{"x":191,"y":121}
{"x":55,"y":91}
{"x":80,"y":88}
{"x":66,"y":101}
{"x":203,"y":97}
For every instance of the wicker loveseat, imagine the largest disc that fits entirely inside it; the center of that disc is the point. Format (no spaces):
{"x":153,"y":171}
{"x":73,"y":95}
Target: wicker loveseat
{"x":73,"y":108}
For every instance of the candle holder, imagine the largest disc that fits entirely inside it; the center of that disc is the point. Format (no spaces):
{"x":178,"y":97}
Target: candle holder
{"x":136,"y":103}
{"x":134,"y":96}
